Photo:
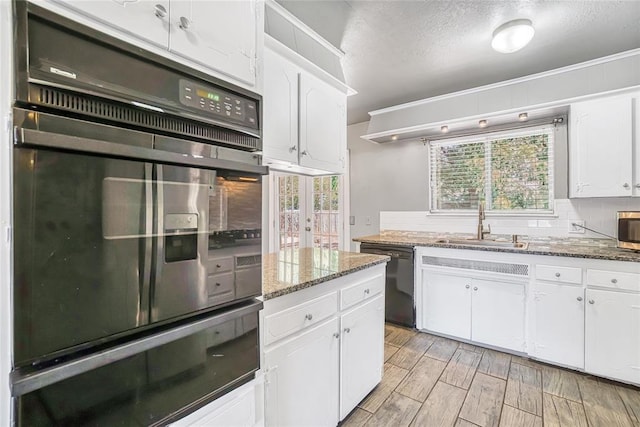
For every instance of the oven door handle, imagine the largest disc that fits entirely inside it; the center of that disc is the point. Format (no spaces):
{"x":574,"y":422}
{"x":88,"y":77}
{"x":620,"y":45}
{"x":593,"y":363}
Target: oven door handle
{"x":31,"y":137}
{"x":23,"y":383}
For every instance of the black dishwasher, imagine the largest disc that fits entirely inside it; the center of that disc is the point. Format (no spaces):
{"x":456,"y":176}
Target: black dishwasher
{"x":399,"y":305}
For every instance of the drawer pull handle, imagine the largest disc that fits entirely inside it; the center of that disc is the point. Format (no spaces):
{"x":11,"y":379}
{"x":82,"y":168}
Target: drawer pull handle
{"x":614,"y":281}
{"x":347,"y":330}
{"x":366,"y":291}
{"x":308,"y":316}
{"x":336,"y":335}
{"x":467,"y":286}
{"x":579,"y":298}
{"x":591,"y":301}
{"x":160,"y":10}
{"x":557,"y":274}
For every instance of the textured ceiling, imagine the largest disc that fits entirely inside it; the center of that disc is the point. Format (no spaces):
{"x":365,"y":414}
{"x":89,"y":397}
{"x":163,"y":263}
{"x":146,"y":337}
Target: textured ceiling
{"x":401,"y":51}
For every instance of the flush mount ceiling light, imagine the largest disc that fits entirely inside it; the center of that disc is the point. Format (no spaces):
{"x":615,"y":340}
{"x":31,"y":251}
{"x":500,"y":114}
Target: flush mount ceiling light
{"x":512,"y":36}
{"x":523,"y":117}
{"x":482,"y":123}
{"x":444,"y":129}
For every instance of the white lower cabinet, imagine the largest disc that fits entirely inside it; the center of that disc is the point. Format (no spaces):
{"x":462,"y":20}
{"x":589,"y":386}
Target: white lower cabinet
{"x":486,"y":311}
{"x":323,"y":349}
{"x":613,"y":334}
{"x":497,"y":313}
{"x":302,"y":379}
{"x":558,"y":324}
{"x":446,"y":304}
{"x":241,"y":407}
{"x":361,"y":353}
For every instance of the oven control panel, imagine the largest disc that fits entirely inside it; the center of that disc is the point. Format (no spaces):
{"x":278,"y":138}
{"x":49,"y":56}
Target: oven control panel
{"x":219,"y":103}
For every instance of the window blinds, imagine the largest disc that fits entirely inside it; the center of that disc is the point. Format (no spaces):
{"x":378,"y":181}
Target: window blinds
{"x":509,"y":171}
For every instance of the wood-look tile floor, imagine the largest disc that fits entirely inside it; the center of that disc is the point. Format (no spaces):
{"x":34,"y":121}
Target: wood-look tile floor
{"x":432,"y":381}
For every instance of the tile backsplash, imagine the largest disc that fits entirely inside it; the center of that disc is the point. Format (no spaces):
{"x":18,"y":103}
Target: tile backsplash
{"x":597,"y":214}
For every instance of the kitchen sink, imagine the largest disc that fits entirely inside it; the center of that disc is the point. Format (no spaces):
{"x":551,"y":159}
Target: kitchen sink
{"x":487,"y":243}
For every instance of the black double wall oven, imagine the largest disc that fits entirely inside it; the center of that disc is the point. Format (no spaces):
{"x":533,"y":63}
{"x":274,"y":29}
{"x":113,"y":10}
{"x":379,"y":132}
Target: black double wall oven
{"x":137,"y":215}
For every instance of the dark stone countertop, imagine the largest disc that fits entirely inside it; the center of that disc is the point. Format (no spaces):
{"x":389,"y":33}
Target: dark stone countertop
{"x":553,"y":246}
{"x":290,"y":270}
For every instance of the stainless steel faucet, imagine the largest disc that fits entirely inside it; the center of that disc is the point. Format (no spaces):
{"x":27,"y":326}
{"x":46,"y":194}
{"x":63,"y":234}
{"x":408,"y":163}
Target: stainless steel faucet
{"x":481,"y":231}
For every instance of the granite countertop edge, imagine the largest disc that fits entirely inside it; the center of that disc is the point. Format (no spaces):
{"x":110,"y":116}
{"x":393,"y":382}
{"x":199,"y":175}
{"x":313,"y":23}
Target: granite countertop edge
{"x":293,"y":288}
{"x":570,"y":250}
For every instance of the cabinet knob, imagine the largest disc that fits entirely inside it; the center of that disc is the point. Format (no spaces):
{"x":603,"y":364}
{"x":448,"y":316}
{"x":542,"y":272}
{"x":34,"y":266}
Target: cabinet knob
{"x":366,"y":291}
{"x":626,"y":185}
{"x":614,"y":281}
{"x":217,"y":284}
{"x":467,"y":286}
{"x":304,"y":153}
{"x":184,"y":23}
{"x":293,"y":148}
{"x":218,"y":266}
{"x":591,"y":301}
{"x":308,"y":228}
{"x":637,"y":185}
{"x":347,"y":330}
{"x":579,"y":298}
{"x":557,"y":274}
{"x":308,"y":316}
{"x":475,"y":288}
{"x":160,"y":11}
{"x":336,"y":335}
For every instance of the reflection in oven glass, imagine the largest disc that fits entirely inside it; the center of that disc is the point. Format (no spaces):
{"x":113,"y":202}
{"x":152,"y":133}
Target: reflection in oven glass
{"x":149,"y":387}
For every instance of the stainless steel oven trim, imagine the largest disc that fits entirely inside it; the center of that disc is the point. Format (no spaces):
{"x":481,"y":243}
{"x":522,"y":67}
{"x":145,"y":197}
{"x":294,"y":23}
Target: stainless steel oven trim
{"x":30,"y":137}
{"x":25,"y":383}
{"x":627,"y":215}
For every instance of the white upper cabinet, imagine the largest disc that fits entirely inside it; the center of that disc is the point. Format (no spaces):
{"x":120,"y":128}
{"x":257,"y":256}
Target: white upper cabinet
{"x":218,"y":34}
{"x":305,"y":119}
{"x":280,"y":114}
{"x":323,"y":125}
{"x":145,"y":19}
{"x":601,"y":143}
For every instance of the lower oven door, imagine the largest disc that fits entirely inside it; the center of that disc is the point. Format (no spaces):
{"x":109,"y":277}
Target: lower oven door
{"x":152,"y":380}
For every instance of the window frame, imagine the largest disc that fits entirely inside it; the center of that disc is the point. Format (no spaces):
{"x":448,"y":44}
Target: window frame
{"x":485,"y":137}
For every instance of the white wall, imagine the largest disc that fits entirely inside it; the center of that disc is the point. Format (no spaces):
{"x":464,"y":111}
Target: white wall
{"x":389,"y":185}
{"x":383,"y":178}
{"x":6,"y":95}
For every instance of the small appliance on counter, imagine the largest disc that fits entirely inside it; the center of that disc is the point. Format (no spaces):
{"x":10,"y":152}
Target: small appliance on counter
{"x":134,"y":284}
{"x":629,"y":230}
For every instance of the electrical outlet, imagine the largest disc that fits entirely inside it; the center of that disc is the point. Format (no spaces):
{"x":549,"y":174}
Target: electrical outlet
{"x":367,"y":220}
{"x":578,"y":227}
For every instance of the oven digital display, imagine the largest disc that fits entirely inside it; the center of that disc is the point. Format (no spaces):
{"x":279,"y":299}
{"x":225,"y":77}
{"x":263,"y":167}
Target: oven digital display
{"x":208,"y":95}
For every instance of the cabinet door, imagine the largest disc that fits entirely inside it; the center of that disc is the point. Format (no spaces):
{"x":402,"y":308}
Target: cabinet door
{"x":146,"y":19}
{"x":600,"y":147}
{"x":219,"y":34}
{"x":302,"y":379}
{"x":446,"y":304}
{"x":280,"y":132}
{"x":613,"y":335}
{"x":361,"y":353}
{"x":558,"y":324}
{"x":498,"y":314}
{"x":323,"y":125}
{"x":636,"y":145}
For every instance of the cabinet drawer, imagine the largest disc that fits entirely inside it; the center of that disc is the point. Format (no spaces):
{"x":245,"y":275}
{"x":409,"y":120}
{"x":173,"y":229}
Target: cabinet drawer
{"x":613,"y":279}
{"x":361,"y":291}
{"x":219,"y":265}
{"x":559,"y":274}
{"x":287,"y":322}
{"x":220,"y":288}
